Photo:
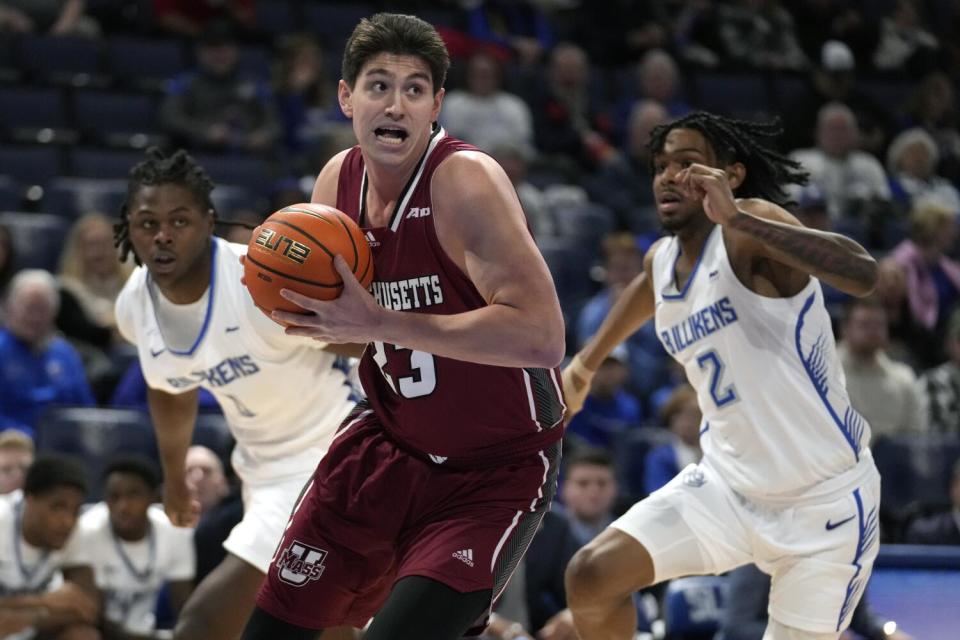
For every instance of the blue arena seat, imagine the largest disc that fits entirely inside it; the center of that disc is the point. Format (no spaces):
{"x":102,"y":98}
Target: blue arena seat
{"x":60,"y":58}
{"x":144,"y":63}
{"x":37,"y":238}
{"x":31,"y":108}
{"x":10,"y":194}
{"x":103,"y":115}
{"x":30,"y":164}
{"x":250,"y":171}
{"x":915,"y":467}
{"x":275,"y":17}
{"x":256,"y":62}
{"x":108,"y":164}
{"x":96,"y":435}
{"x":630,"y":451}
{"x":732,"y":94}
{"x":333,"y":22}
{"x":693,"y":607}
{"x":74,"y":197}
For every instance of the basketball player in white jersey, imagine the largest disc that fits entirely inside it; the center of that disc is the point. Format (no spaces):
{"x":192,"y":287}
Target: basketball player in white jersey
{"x":46,"y":581}
{"x":195,"y":325}
{"x":135,"y":550}
{"x":787,"y":480}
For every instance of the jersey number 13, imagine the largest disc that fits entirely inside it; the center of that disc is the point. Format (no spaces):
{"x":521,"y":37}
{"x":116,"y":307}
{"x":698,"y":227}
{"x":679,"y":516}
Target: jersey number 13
{"x":409,"y":373}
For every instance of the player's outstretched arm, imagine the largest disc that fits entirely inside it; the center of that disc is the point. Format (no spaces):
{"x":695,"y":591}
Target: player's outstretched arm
{"x":482,"y":228}
{"x":635,"y":306}
{"x":174,"y":417}
{"x":766,"y":230}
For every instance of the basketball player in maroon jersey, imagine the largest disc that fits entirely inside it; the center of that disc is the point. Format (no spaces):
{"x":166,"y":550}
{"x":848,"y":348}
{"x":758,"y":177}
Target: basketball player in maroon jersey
{"x":432,"y":491}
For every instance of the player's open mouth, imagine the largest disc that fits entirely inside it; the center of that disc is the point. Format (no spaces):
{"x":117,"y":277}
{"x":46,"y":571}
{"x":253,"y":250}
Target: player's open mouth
{"x":163,"y":262}
{"x":389,"y":135}
{"x":669,"y":201}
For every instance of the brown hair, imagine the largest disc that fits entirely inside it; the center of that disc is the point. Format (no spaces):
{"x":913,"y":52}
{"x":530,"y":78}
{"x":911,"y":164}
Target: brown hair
{"x":926,"y":221}
{"x":400,"y":35}
{"x":674,"y":403}
{"x":11,"y":439}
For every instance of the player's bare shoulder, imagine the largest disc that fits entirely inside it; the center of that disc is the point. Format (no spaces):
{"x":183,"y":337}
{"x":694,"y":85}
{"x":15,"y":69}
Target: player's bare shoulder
{"x":325,"y":188}
{"x":467,"y":180}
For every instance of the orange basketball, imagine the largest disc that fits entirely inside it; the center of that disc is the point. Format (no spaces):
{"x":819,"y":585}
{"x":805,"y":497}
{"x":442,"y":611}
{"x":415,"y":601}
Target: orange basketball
{"x":294,"y":249}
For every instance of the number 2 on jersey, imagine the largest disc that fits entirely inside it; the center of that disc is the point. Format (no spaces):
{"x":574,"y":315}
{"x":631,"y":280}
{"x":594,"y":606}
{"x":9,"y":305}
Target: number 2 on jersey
{"x":409,"y":373}
{"x":712,"y":363}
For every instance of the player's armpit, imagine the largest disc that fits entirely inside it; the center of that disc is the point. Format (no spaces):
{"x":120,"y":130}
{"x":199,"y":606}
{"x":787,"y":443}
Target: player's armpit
{"x":765,"y":229}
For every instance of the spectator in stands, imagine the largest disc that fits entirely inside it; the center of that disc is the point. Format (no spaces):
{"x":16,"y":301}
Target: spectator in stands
{"x":134,"y":549}
{"x":192,"y":17}
{"x":853,"y":181}
{"x":307,"y":104}
{"x":514,"y":27}
{"x":38,"y":369}
{"x":941,"y":385}
{"x":624,"y":183}
{"x":904,"y":42}
{"x":16,"y":456}
{"x":659,"y":80}
{"x":221,"y":507}
{"x":6,"y":262}
{"x":39,"y":543}
{"x":131,"y":392}
{"x":609,"y":410}
{"x":929,"y":281}
{"x":911,"y":164}
{"x":649,"y":362}
{"x":483,"y":113}
{"x":681,"y":415}
{"x":882,"y":390}
{"x":933,"y":107}
{"x":53,"y":17}
{"x":218,"y":106}
{"x":942,"y":528}
{"x":759,"y":34}
{"x":588,"y":492}
{"x":568,"y":118}
{"x":834,"y":79}
{"x":515,"y":159}
{"x":748,"y":596}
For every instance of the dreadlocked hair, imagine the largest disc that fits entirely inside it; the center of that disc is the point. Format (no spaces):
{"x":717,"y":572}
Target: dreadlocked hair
{"x":177,"y":168}
{"x":741,"y":141}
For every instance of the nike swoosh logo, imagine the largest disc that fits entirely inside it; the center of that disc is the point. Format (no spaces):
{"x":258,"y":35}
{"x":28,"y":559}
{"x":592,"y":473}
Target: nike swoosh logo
{"x":156,"y":353}
{"x":834,"y":525}
{"x":231,"y":329}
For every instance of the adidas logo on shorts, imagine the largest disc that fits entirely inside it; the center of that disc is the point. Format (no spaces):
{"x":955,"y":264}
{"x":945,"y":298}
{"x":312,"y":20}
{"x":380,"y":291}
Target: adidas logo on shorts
{"x":465,"y":556}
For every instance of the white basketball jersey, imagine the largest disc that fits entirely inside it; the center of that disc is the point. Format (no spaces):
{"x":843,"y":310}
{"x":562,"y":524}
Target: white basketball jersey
{"x":130,"y":574}
{"x":27,"y":570}
{"x":778,"y":424}
{"x":280,"y":394}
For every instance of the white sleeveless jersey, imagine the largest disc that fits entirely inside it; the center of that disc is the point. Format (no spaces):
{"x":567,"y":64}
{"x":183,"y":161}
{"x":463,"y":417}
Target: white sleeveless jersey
{"x":130,"y":574}
{"x":778,"y":424}
{"x":280,"y":394}
{"x":25,"y":569}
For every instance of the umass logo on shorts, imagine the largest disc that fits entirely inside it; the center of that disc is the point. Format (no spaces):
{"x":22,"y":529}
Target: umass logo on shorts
{"x":300,"y":563}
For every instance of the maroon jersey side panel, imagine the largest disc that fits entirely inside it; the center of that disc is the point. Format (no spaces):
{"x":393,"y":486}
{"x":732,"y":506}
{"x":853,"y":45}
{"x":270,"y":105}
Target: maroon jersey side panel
{"x":445,"y":408}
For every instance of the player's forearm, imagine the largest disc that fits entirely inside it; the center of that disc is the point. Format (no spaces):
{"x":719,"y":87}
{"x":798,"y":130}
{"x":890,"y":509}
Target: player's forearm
{"x":833,"y":258}
{"x":633,"y":308}
{"x":174,"y":417}
{"x":497,"y":334}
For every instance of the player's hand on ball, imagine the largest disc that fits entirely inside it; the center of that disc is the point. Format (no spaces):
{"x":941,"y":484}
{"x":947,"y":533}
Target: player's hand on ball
{"x":182,"y":509}
{"x":576,"y":386}
{"x":353,"y":317}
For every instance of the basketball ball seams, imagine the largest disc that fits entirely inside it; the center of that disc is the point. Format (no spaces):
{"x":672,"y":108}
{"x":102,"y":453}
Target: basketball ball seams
{"x":353,"y":244}
{"x":277,"y":272}
{"x":320,"y":216}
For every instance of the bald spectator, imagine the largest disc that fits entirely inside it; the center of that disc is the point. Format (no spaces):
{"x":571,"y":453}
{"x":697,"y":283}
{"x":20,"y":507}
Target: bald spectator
{"x":16,"y":456}
{"x":38,"y":368}
{"x":206,"y":479}
{"x":851,"y":179}
{"x":659,"y":80}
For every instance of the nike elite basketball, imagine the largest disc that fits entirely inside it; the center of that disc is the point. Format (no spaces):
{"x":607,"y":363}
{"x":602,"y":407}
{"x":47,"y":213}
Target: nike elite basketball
{"x":294,"y":249}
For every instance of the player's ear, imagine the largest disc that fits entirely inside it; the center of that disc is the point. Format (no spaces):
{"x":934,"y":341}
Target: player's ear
{"x":736,"y":174}
{"x":437,"y":103}
{"x":345,"y":98}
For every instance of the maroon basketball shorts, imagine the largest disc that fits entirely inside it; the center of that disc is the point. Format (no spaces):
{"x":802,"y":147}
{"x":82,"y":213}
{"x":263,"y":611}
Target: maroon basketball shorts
{"x":374,"y":513}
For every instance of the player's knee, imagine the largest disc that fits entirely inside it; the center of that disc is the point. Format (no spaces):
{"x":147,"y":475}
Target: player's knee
{"x":584,"y":578}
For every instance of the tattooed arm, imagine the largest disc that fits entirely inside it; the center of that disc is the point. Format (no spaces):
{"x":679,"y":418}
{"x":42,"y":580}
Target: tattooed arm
{"x":830,"y":257}
{"x":761,"y":229}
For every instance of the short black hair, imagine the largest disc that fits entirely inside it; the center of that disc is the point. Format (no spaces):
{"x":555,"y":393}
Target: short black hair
{"x":768,"y":171}
{"x":178,"y":168}
{"x":398,"y":34}
{"x":588,"y":456}
{"x":139,"y":466}
{"x":49,"y":472}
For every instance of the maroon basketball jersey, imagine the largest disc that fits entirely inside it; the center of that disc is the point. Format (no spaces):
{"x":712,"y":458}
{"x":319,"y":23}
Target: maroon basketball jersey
{"x":453,"y":411}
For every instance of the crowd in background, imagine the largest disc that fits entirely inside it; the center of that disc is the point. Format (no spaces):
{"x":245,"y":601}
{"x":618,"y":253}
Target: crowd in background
{"x":564,"y":93}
